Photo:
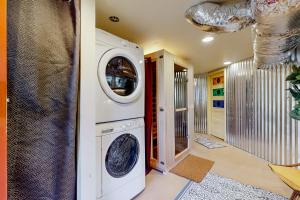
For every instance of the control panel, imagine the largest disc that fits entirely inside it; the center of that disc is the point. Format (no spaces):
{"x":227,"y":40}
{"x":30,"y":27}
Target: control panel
{"x":119,"y":126}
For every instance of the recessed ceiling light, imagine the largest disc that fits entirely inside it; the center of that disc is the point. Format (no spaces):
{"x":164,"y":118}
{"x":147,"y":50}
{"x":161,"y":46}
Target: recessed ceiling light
{"x":114,"y":18}
{"x":227,"y":63}
{"x":208,"y":39}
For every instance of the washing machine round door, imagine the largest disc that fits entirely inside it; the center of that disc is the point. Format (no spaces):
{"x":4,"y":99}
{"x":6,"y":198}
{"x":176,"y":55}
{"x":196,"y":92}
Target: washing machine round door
{"x":120,"y":75}
{"x":122,"y":155}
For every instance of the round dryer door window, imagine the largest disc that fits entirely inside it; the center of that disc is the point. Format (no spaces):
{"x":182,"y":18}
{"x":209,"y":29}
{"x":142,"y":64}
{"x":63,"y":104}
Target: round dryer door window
{"x":120,"y":75}
{"x":122,"y":155}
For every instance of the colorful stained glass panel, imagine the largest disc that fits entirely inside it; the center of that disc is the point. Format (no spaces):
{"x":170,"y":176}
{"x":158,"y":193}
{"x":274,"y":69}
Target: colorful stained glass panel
{"x":218,"y":92}
{"x":218,"y":80}
{"x":218,"y":103}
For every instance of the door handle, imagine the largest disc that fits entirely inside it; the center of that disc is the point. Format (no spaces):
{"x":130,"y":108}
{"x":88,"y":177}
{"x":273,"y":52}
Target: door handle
{"x":161,"y":109}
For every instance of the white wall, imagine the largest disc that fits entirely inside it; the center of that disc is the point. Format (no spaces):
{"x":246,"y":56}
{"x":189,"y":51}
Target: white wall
{"x":86,"y":184}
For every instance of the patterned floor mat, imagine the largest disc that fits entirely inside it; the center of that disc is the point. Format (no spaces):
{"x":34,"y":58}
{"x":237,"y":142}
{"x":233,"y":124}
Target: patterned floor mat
{"x":208,"y":143}
{"x":214,"y":187}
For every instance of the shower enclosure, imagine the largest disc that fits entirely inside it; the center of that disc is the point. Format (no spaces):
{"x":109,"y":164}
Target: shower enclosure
{"x":181,"y":109}
{"x":171,"y":109}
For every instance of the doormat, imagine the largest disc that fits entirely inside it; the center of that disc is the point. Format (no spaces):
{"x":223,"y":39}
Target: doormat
{"x":193,"y":168}
{"x":209,"y":143}
{"x":214,"y":187}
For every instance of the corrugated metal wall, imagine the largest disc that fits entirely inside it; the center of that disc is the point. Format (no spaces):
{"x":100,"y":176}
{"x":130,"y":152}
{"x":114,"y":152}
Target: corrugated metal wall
{"x":257,"y":116}
{"x":200,"y":104}
{"x":181,"y":120}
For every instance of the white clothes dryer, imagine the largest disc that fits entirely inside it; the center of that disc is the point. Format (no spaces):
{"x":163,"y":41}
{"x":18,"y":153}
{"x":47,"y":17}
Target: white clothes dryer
{"x":120,"y":74}
{"x":120,"y":159}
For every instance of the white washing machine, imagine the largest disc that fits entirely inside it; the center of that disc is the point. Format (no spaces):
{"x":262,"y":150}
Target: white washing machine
{"x":120,"y":159}
{"x":120,"y":73}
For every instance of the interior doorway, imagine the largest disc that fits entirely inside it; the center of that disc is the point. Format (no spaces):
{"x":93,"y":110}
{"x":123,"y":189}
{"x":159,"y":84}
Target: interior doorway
{"x":216,"y":104}
{"x":154,"y":131}
{"x":151,"y":122}
{"x":181,"y":109}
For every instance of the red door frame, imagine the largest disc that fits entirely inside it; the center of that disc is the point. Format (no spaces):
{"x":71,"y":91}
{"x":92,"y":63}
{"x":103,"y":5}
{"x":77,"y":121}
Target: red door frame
{"x":3,"y":97}
{"x":148,"y":112}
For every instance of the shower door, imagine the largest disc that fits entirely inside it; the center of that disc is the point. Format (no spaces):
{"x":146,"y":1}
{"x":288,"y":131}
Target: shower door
{"x":181,"y":109}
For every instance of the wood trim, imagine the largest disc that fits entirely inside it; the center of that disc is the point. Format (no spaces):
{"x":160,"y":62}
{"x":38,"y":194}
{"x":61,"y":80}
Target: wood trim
{"x":291,"y":165}
{"x":295,"y":195}
{"x":216,"y":72}
{"x":3,"y":97}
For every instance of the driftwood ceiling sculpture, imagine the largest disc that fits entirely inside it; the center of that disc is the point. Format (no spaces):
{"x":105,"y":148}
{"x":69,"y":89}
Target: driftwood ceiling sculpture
{"x":276,"y":25}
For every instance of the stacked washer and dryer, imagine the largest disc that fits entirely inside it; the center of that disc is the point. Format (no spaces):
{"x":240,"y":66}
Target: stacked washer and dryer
{"x":120,"y":118}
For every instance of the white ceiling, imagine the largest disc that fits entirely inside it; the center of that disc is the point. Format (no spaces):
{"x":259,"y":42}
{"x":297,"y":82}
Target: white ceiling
{"x":160,"y":24}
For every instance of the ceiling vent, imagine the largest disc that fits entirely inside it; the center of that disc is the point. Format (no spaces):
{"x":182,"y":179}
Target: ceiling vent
{"x":276,"y":25}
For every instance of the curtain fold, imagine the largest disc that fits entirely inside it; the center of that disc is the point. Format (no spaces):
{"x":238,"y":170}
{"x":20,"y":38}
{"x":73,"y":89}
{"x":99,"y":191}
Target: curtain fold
{"x":43,"y":78}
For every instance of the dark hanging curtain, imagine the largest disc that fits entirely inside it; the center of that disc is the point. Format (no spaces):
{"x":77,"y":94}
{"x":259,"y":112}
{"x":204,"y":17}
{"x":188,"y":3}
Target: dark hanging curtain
{"x":43,"y":77}
{"x":148,"y":112}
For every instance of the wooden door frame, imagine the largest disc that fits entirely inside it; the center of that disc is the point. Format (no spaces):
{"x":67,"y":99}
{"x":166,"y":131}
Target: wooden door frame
{"x":3,"y":100}
{"x":210,"y":77}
